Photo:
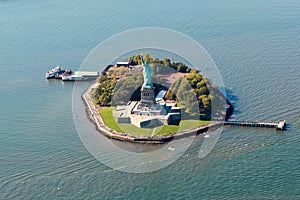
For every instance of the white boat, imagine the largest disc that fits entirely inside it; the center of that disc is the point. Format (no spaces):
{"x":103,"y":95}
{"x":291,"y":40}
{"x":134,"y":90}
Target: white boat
{"x":53,"y":72}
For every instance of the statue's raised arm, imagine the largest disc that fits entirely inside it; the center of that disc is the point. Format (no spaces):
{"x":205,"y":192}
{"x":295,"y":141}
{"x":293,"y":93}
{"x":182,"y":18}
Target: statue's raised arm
{"x":142,"y":59}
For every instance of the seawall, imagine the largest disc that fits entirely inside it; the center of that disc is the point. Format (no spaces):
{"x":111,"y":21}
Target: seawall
{"x":96,"y":118}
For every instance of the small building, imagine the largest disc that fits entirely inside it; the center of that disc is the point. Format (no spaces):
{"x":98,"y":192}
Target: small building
{"x":125,"y":64}
{"x":159,"y":97}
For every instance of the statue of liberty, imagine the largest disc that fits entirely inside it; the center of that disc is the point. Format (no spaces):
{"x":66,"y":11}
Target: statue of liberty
{"x":147,"y":74}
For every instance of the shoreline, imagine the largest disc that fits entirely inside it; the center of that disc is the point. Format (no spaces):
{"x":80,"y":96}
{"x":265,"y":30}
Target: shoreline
{"x":95,"y":117}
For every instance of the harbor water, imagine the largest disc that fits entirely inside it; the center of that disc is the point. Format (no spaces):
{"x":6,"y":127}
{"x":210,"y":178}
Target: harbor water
{"x":255,"y":45}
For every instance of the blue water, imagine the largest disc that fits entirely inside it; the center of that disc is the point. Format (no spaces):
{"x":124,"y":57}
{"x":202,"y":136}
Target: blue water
{"x":255,"y":45}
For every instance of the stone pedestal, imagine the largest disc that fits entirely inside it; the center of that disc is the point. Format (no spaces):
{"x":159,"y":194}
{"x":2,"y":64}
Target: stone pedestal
{"x":147,"y":97}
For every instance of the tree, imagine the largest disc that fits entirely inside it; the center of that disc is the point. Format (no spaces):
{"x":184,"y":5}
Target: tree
{"x":137,"y":59}
{"x":148,"y":58}
{"x":156,"y":60}
{"x":182,"y":68}
{"x":167,"y":62}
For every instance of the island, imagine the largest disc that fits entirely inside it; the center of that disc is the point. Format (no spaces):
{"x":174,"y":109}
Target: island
{"x":149,"y":100}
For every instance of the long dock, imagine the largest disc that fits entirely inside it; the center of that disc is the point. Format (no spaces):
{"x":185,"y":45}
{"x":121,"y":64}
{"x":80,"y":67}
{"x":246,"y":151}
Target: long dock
{"x":278,"y":126}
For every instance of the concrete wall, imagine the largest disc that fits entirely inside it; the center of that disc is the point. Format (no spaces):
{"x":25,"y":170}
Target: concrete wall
{"x":124,"y":120}
{"x":151,"y":123}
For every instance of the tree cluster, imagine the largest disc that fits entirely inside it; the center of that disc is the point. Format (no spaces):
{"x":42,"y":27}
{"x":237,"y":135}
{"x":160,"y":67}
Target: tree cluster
{"x":127,"y":89}
{"x":178,"y":66}
{"x":192,"y":93}
{"x":102,"y":95}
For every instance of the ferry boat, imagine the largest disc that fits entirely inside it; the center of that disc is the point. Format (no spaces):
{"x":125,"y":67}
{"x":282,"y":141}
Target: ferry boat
{"x":69,"y":75}
{"x":64,"y":72}
{"x":53,"y":72}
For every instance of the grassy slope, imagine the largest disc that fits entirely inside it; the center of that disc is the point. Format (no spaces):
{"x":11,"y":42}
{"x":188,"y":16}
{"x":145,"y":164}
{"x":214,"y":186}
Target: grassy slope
{"x":108,"y":119}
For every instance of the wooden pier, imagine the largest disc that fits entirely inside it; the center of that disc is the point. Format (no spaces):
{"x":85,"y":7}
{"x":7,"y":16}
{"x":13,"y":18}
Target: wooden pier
{"x":278,"y":126}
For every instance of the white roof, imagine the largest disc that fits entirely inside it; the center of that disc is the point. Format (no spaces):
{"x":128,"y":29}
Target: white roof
{"x":161,"y":94}
{"x":85,"y":73}
{"x":122,"y":63}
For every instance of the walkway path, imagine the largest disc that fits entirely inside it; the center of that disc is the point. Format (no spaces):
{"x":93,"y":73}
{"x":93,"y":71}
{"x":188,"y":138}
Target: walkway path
{"x":153,"y":132}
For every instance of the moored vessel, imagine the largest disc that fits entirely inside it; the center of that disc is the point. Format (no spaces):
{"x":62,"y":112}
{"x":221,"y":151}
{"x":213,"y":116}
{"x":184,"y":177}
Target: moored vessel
{"x":54,"y":72}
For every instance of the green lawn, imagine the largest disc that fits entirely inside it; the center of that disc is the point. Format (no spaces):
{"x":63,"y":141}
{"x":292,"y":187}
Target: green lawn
{"x":132,"y":129}
{"x":108,"y":119}
{"x":190,"y":123}
{"x":111,"y":122}
{"x":166,"y":130}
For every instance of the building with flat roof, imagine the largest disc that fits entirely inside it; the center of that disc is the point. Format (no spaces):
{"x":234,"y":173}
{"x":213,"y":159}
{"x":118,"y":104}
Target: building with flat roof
{"x":125,"y":64}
